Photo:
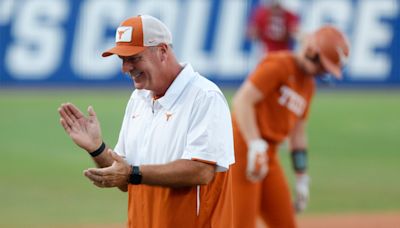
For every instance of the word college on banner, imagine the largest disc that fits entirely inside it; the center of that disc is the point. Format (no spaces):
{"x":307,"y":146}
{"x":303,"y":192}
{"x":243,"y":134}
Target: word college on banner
{"x":60,"y":41}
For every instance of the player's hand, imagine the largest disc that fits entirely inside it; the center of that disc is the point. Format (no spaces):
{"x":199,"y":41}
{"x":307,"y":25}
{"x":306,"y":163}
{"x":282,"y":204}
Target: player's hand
{"x":84,"y":131}
{"x":302,"y":192}
{"x":116,"y":175}
{"x":257,"y":160}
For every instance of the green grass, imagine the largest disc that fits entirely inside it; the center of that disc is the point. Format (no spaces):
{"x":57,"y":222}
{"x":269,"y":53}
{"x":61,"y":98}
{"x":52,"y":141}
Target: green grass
{"x":354,"y":151}
{"x":41,"y":172}
{"x":354,"y":156}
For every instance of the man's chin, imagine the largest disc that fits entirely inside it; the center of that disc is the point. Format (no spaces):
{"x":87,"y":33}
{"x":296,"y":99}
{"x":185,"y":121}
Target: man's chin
{"x":137,"y":85}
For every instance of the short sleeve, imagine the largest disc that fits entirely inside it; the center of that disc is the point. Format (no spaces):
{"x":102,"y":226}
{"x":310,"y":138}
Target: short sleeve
{"x":266,"y":77}
{"x":210,"y":137}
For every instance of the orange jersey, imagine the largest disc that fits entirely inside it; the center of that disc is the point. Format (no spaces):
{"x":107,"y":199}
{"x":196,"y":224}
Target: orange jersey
{"x":199,"y":206}
{"x":287,"y":95}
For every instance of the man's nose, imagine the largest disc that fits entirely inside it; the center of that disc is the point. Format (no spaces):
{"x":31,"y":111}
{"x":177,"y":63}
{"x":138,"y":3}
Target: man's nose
{"x":127,"y":67}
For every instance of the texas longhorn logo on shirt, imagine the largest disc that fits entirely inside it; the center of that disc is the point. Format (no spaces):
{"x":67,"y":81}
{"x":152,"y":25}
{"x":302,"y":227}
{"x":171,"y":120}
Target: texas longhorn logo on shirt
{"x":292,"y":100}
{"x":124,"y":34}
{"x":168,"y":115}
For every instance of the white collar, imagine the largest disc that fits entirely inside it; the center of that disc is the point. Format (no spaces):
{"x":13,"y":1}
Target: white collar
{"x":175,"y":89}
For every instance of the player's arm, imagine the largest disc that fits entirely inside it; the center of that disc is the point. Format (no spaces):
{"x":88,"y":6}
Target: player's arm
{"x":243,"y":104}
{"x":298,"y":147}
{"x":298,"y":137}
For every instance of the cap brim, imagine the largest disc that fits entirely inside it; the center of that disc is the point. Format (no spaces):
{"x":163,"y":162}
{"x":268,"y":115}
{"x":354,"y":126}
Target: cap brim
{"x":332,"y":68}
{"x":123,"y":50}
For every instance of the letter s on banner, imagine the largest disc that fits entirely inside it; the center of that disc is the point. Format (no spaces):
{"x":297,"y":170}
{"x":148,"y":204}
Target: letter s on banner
{"x":95,"y":17}
{"x":39,"y":39}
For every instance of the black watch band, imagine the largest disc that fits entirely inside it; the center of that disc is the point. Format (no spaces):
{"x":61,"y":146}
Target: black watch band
{"x":136,"y":176}
{"x":99,"y":150}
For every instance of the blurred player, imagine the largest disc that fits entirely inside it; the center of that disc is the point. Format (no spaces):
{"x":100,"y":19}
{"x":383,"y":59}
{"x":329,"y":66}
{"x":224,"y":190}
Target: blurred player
{"x":272,"y":104}
{"x":175,"y":145}
{"x":274,"y":26}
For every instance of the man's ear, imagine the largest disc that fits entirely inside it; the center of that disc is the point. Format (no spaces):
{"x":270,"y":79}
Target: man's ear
{"x":164,"y":49}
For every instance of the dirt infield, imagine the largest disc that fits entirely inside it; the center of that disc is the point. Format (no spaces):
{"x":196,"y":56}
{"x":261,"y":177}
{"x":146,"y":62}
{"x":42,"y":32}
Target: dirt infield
{"x":370,"y":220}
{"x":384,"y":220}
{"x":351,"y":220}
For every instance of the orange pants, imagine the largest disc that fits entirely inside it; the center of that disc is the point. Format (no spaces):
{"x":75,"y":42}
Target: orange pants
{"x":270,"y":198}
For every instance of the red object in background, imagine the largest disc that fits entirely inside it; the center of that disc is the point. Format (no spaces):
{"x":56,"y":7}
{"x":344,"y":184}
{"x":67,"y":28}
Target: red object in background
{"x":274,"y":26}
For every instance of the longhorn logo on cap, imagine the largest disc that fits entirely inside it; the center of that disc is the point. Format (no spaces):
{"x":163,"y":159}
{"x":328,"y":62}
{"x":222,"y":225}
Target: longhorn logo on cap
{"x":124,"y":34}
{"x":121,"y":32}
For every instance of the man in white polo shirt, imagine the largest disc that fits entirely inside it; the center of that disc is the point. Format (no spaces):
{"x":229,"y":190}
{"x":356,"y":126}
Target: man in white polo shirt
{"x":175,"y":146}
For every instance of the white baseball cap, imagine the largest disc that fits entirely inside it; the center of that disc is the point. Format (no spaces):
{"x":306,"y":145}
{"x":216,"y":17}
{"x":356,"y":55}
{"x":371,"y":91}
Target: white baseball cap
{"x":135,"y":34}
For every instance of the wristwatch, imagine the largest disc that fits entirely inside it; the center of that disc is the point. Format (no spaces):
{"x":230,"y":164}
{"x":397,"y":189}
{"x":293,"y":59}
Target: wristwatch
{"x":136,"y":176}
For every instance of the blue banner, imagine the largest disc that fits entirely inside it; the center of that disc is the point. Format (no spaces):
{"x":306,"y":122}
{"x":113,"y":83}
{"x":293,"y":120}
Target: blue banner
{"x":60,"y":42}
